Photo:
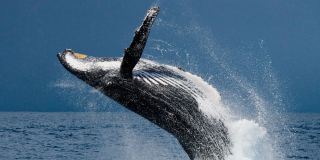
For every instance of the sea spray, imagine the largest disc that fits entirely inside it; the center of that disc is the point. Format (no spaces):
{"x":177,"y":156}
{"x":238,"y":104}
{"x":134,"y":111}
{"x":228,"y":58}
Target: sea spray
{"x":250,"y":141}
{"x":251,"y":95}
{"x":81,"y":96}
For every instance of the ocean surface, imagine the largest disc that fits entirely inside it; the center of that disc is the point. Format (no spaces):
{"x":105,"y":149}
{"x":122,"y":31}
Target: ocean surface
{"x":122,"y":135}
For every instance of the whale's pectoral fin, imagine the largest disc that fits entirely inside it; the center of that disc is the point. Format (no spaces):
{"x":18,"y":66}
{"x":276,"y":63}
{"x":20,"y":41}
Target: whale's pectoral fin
{"x":133,"y":53}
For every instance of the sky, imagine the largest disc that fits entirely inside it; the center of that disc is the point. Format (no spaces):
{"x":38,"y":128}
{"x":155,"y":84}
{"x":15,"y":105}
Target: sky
{"x":246,"y":40}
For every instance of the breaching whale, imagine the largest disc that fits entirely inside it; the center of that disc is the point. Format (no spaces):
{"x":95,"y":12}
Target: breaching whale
{"x":165,"y":95}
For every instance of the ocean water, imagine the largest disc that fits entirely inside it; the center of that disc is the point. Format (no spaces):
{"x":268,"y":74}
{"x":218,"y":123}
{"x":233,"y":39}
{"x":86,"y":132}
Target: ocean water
{"x":253,"y":104}
{"x":124,"y":135}
{"x":306,"y":131}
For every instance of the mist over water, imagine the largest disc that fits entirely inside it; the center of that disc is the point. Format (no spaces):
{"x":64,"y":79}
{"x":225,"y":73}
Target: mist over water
{"x":80,"y":95}
{"x":252,"y":99}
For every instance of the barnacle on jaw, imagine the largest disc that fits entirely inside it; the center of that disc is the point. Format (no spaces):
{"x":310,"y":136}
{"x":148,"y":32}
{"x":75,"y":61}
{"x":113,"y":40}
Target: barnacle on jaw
{"x":81,"y":56}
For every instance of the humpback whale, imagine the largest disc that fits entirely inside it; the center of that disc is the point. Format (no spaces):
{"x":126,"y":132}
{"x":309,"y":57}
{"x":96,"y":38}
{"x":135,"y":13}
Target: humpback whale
{"x":165,"y":95}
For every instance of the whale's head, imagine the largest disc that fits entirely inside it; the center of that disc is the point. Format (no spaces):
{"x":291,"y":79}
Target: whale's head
{"x":87,"y":68}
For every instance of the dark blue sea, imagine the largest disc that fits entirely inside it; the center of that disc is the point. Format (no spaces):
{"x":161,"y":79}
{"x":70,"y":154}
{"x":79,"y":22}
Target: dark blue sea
{"x":125,"y":135}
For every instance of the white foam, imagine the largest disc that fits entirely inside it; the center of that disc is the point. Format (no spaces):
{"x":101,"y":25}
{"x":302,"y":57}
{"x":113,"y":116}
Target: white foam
{"x":250,"y":141}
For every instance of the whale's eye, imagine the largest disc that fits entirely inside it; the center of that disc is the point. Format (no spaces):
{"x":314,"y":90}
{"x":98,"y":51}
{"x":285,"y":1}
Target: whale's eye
{"x":81,"y":56}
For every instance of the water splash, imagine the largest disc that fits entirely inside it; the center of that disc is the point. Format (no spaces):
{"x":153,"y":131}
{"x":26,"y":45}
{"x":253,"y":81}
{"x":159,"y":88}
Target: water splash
{"x":250,"y":141}
{"x":251,"y":93}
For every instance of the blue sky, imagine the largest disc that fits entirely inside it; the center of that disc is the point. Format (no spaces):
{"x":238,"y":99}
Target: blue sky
{"x":250,"y":39}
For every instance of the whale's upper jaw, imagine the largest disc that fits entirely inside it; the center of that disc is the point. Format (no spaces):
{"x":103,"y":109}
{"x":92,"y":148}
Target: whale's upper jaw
{"x":87,"y":68}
